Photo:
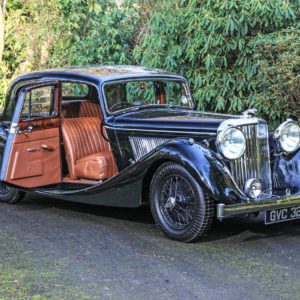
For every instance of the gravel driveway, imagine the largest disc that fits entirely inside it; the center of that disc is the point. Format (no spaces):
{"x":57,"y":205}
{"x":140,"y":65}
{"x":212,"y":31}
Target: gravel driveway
{"x":50,"y":249}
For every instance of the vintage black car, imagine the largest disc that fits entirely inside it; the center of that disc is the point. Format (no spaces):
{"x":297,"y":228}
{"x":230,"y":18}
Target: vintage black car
{"x":128,"y":136}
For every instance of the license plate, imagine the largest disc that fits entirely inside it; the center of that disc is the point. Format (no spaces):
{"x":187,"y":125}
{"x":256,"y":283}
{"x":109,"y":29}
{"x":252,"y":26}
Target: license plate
{"x":282,"y":215}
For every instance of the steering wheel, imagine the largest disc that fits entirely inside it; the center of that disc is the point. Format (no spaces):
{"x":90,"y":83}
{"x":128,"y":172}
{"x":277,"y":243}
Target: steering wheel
{"x":121,"y":104}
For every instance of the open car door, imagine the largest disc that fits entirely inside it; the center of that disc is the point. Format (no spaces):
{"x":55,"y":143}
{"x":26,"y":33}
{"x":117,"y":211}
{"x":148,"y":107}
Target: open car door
{"x":32,"y":153}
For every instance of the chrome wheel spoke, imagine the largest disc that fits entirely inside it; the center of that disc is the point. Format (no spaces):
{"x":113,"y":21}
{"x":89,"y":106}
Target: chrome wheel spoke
{"x":177,"y":202}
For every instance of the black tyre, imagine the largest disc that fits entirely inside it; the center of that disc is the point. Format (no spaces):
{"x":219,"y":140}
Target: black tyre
{"x":179,"y":206}
{"x":10,"y":194}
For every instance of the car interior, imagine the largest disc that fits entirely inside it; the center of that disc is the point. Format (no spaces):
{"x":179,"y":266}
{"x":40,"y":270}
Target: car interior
{"x":87,"y":155}
{"x":60,"y":137}
{"x":51,"y":148}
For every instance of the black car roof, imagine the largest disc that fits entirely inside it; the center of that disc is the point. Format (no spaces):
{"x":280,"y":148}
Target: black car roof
{"x":101,"y":73}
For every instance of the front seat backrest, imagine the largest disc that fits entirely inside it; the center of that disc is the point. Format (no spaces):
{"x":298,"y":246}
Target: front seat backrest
{"x":82,"y":137}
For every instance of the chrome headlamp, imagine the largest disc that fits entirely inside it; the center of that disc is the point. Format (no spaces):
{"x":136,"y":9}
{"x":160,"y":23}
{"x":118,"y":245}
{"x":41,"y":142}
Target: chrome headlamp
{"x":231,"y":142}
{"x":288,"y":135}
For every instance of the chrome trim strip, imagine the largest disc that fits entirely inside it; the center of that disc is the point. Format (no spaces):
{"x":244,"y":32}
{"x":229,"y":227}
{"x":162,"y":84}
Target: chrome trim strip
{"x":11,"y":135}
{"x":161,"y":131}
{"x":231,"y":210}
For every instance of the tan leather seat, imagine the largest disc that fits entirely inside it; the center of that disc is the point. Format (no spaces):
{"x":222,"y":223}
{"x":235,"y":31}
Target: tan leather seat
{"x":80,"y":109}
{"x":88,"y":154}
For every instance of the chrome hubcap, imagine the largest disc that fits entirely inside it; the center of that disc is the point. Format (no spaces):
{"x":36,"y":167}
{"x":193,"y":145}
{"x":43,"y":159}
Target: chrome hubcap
{"x":171,"y":202}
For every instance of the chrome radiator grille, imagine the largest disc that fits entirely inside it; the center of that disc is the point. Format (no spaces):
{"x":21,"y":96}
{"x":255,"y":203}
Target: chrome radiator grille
{"x":143,"y":145}
{"x":255,"y":163}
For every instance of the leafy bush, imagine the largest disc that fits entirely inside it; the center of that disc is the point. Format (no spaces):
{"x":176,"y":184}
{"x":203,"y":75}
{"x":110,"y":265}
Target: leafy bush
{"x":277,"y":81}
{"x":236,"y":54}
{"x":28,"y":36}
{"x":225,"y":48}
{"x":94,"y":32}
{"x":56,"y":33}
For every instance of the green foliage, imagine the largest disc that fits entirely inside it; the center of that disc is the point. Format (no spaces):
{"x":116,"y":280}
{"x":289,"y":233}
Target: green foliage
{"x":236,"y":54}
{"x":220,"y":46}
{"x":28,"y":36}
{"x":95,"y":32}
{"x":277,"y":81}
{"x":56,"y":33}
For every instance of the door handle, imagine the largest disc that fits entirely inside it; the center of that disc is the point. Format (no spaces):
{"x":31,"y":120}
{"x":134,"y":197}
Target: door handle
{"x":47,"y":148}
{"x":25,"y":131}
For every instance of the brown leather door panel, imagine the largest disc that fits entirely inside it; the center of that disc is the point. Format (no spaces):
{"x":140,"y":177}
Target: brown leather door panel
{"x":35,"y":159}
{"x":26,"y":167}
{"x":36,"y":135}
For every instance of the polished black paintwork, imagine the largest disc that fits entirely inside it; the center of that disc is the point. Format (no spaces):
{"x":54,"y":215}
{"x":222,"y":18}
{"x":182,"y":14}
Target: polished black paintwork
{"x":170,"y":123}
{"x":286,"y":174}
{"x":169,"y":119}
{"x":95,"y":75}
{"x":127,"y":189}
{"x":199,"y":155}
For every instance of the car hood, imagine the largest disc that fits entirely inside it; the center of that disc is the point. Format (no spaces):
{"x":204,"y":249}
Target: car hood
{"x":170,"y":120}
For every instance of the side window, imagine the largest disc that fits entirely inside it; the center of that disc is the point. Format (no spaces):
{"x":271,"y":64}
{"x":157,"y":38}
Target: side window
{"x":75,"y":90}
{"x":39,"y":102}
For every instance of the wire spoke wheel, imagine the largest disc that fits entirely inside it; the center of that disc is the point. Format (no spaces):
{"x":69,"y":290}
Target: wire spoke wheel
{"x":178,"y":205}
{"x":8,"y":194}
{"x":177,"y":202}
{"x":4,"y":189}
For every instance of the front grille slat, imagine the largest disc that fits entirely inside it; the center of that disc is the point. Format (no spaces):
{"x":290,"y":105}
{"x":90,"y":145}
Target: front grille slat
{"x":141,"y":146}
{"x":255,"y":163}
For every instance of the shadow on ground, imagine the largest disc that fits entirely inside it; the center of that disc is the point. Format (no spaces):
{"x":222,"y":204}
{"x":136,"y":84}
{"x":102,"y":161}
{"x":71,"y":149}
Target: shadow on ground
{"x":220,"y":230}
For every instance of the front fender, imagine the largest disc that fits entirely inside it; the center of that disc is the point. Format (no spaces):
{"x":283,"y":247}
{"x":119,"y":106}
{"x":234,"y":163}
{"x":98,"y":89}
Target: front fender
{"x":205,"y":165}
{"x":286,"y":172}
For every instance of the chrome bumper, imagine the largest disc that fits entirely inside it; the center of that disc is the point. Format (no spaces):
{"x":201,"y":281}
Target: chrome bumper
{"x":224,"y":211}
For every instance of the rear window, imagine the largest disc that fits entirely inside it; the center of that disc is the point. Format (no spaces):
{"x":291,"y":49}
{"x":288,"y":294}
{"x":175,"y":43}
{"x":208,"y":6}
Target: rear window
{"x":74,"y":90}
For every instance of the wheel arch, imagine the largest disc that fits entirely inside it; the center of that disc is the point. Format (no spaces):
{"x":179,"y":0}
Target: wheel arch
{"x":203,"y":164}
{"x":146,"y":183}
{"x":148,"y":178}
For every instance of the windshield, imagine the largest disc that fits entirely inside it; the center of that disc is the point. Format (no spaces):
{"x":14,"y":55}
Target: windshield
{"x":128,"y":94}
